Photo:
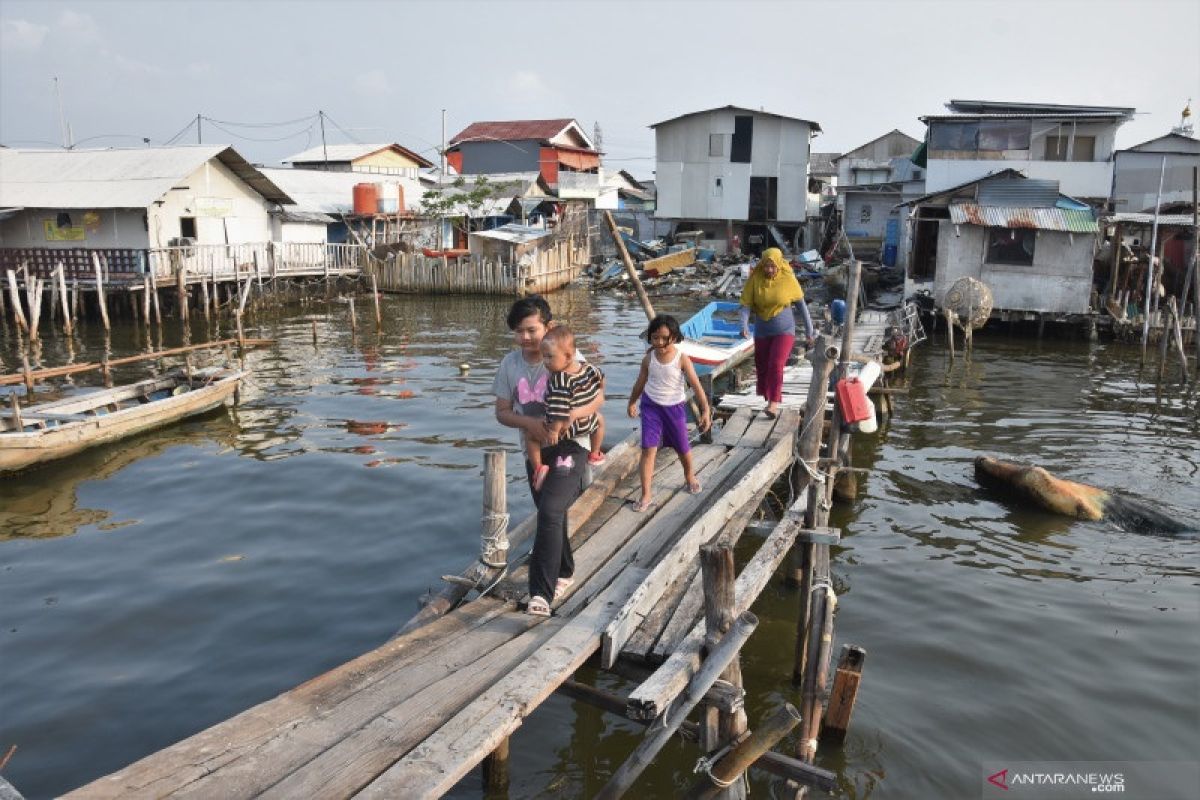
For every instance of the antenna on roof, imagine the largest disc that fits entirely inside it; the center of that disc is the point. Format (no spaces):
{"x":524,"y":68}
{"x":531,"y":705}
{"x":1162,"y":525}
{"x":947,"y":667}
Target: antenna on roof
{"x":597,"y":137}
{"x":1185,"y":121}
{"x":64,"y":128}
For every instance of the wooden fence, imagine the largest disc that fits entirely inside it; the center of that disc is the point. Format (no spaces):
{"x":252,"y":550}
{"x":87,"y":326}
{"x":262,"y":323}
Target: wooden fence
{"x":544,"y":270}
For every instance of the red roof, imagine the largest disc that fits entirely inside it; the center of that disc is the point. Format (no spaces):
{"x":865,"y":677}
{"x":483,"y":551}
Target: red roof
{"x":513,"y":130}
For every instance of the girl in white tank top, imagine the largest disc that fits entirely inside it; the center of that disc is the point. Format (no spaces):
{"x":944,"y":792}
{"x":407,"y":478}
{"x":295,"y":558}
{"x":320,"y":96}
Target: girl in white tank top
{"x":661,"y":387}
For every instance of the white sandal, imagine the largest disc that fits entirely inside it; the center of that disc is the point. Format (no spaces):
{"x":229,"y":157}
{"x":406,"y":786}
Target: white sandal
{"x":561,"y":586}
{"x":537,"y":607}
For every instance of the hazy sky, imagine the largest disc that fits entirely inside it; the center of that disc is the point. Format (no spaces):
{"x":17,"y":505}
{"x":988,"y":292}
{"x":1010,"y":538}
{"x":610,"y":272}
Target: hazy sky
{"x":383,"y":71}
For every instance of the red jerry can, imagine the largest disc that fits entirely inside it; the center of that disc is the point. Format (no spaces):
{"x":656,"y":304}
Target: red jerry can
{"x":852,"y":401}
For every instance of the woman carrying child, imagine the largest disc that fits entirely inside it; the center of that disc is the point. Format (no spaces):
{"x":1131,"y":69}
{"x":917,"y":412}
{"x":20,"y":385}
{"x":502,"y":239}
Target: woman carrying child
{"x":661,"y":387}
{"x":520,"y":389}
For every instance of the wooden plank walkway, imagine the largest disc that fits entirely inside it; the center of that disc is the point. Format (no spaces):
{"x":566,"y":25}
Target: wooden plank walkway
{"x":412,"y":717}
{"x":868,"y":341}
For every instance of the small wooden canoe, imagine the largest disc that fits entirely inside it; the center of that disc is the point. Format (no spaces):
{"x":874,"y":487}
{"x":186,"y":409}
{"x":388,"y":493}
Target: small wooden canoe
{"x":713,"y":338}
{"x":64,"y":427}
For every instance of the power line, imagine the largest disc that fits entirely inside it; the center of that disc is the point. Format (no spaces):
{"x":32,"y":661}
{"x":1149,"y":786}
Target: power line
{"x":296,"y":121}
{"x":259,"y":138}
{"x":186,"y":128}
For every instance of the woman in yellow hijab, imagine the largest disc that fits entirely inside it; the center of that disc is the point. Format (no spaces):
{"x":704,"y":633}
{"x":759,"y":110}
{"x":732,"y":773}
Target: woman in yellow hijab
{"x":769,"y":294}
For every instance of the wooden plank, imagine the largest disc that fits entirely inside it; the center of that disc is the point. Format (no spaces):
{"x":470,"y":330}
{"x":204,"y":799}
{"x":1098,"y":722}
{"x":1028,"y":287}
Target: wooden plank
{"x":653,"y":696}
{"x":759,"y":431}
{"x":734,"y":428}
{"x":664,"y":264}
{"x":433,"y":767}
{"x":685,"y":550}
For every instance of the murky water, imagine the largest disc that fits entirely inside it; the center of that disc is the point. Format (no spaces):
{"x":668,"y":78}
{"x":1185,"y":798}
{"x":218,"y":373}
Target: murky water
{"x":155,"y":587}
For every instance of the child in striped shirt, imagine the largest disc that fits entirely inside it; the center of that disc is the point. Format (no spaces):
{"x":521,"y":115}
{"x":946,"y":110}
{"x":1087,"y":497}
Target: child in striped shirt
{"x":572,"y":384}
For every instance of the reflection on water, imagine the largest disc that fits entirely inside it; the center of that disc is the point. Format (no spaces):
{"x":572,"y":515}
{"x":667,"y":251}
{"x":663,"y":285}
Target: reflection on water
{"x":218,"y":562}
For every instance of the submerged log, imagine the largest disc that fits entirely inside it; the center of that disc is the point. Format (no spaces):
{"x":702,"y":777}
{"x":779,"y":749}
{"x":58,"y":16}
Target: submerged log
{"x":1074,"y":499}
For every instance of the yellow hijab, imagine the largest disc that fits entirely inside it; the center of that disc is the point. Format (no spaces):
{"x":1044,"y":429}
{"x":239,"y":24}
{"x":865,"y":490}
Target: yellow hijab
{"x":766,"y":297}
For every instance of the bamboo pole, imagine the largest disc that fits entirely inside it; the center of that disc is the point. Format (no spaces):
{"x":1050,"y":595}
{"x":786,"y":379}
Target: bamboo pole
{"x":204,"y":297}
{"x":15,"y":296}
{"x":314,"y":331}
{"x":27,"y":376}
{"x":701,"y":682}
{"x":375,"y":297}
{"x":630,"y":268}
{"x":74,"y":369}
{"x":1150,"y":267}
{"x":100,"y":302}
{"x":722,"y":777}
{"x":819,"y":645}
{"x":68,"y":327}
{"x":146,"y":300}
{"x":353,"y":318}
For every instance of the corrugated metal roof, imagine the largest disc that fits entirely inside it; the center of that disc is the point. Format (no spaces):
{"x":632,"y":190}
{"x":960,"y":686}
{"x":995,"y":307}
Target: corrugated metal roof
{"x":349,"y":152}
{"x":1143,"y":218}
{"x":1018,"y":192}
{"x":760,"y":112}
{"x":991,"y":106}
{"x":1105,"y":116}
{"x":518,"y":129}
{"x":1046,"y":219}
{"x":821,"y":164}
{"x":326,"y":192}
{"x":114,"y":178}
{"x":517,"y":234}
{"x":310,"y":217}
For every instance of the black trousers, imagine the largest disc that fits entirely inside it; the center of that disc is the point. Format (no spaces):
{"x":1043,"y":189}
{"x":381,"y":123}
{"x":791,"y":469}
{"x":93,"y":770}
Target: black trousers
{"x":551,"y":558}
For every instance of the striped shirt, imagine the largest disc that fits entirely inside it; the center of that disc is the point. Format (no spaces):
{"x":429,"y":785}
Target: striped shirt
{"x":566,"y":391}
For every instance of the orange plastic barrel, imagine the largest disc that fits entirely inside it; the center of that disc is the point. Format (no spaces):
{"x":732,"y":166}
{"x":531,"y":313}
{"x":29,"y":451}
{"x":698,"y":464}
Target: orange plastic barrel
{"x":366,"y":198}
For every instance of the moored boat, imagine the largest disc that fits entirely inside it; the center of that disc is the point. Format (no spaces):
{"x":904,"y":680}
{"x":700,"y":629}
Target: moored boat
{"x":47,"y":431}
{"x":713,"y":338}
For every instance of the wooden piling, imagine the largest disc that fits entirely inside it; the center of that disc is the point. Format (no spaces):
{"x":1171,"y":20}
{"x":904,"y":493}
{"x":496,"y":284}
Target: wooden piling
{"x":495,"y":768}
{"x":33,"y":296}
{"x":353,"y":318}
{"x":643,"y":298}
{"x":819,"y":644}
{"x":68,"y":327}
{"x":154,"y":299}
{"x":845,"y":691}
{"x":314,"y":330}
{"x":375,"y":297}
{"x":15,"y":405}
{"x":708,"y":673}
{"x":15,"y":297}
{"x":181,"y":291}
{"x":725,"y":775}
{"x":26,"y":375}
{"x":100,"y":302}
{"x":719,"y":575}
{"x":204,"y":298}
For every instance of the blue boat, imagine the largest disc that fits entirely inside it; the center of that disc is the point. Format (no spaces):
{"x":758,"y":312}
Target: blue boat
{"x":713,"y":338}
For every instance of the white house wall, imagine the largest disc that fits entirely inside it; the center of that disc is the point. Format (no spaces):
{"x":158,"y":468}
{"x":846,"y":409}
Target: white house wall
{"x":883,"y":208}
{"x":1059,"y":281}
{"x":116,"y":228}
{"x":1135,"y":179}
{"x":247,"y":220}
{"x":1076,"y":178}
{"x":686,"y":175}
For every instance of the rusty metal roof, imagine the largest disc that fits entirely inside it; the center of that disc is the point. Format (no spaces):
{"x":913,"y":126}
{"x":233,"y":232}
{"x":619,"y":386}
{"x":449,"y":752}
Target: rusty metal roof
{"x":1066,"y":220}
{"x":518,"y":130}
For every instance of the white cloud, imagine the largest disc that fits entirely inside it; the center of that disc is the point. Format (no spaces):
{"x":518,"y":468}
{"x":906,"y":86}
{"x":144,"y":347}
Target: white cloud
{"x":20,"y":35}
{"x":528,"y":84}
{"x":371,"y":83}
{"x":78,"y":24}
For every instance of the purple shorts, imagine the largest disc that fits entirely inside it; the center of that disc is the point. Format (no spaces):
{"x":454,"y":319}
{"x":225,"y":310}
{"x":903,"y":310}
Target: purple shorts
{"x":664,"y":426}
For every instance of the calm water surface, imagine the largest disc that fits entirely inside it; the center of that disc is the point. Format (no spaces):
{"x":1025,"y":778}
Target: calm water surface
{"x":155,"y":587}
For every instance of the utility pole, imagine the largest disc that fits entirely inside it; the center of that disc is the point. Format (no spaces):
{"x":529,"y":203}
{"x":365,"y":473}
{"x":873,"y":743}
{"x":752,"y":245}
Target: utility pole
{"x":198,"y":139}
{"x":64,"y":129}
{"x":324,"y":148}
{"x":443,"y":178}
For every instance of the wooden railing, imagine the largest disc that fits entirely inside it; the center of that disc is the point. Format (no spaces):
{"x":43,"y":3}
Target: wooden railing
{"x":213,"y":261}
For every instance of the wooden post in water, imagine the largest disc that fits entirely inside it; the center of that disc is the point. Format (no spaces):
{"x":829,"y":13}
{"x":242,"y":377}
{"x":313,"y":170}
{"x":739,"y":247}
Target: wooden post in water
{"x":493,"y":554}
{"x":204,"y":297}
{"x":33,"y":295}
{"x":314,"y":329}
{"x":146,"y":301}
{"x":844,"y":693}
{"x":68,"y":328}
{"x":16,"y":412}
{"x":154,"y":299}
{"x":27,"y":375}
{"x":675,"y":715}
{"x":718,"y":577}
{"x":15,"y":297}
{"x":375,"y":297}
{"x":643,"y":298}
{"x":181,"y":290}
{"x":725,"y":775}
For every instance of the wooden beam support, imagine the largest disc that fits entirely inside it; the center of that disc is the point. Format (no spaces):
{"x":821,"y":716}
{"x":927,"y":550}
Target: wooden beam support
{"x":845,"y":691}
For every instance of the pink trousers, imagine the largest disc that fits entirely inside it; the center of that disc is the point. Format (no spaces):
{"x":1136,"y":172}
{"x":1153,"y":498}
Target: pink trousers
{"x":770,"y":357}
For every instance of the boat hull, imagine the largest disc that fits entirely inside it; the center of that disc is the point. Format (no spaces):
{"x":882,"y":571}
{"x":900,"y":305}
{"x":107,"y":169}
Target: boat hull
{"x":28,"y":448}
{"x":713,"y":343}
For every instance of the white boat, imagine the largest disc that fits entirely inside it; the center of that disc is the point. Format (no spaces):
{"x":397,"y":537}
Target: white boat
{"x":49,"y":431}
